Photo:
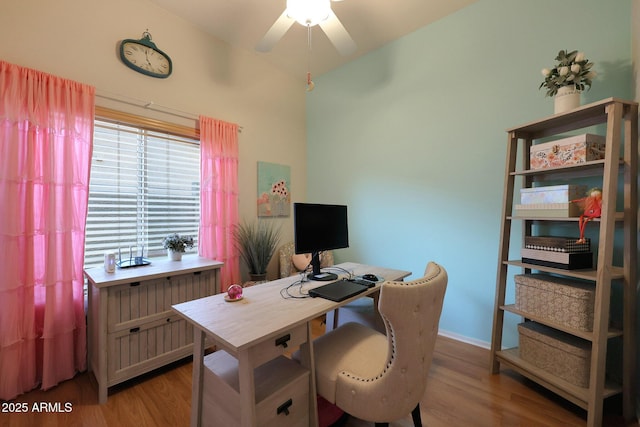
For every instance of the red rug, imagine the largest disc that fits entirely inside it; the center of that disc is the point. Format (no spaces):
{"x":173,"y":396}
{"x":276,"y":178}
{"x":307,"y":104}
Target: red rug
{"x":328,"y":413}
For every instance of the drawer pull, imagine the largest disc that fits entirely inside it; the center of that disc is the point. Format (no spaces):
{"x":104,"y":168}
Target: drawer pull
{"x":133,"y":330}
{"x":283,"y":340}
{"x":284,"y":407}
{"x":134,"y":284}
{"x":197,"y":273}
{"x":168,"y":319}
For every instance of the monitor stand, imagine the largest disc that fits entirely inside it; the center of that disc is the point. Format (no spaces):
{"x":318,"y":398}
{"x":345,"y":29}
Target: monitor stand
{"x":316,"y":274}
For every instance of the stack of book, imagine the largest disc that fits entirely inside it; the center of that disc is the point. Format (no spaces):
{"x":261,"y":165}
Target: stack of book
{"x":558,"y":252}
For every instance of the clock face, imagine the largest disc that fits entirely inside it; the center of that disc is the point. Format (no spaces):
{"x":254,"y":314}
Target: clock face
{"x":145,"y":59}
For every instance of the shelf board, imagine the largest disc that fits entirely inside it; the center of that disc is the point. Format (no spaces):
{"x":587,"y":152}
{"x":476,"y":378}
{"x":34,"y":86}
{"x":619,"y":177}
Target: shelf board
{"x":581,"y":117}
{"x":581,"y":167}
{"x":619,"y":216}
{"x":586,"y":274}
{"x":577,"y":395}
{"x":591,"y":168}
{"x":586,"y":335}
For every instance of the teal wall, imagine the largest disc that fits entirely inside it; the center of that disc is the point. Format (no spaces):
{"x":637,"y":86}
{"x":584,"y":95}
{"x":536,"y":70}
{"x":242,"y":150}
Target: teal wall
{"x":412,"y":136}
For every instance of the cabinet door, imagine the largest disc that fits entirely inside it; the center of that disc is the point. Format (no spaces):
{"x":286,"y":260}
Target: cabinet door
{"x":132,"y":304}
{"x":153,"y":344}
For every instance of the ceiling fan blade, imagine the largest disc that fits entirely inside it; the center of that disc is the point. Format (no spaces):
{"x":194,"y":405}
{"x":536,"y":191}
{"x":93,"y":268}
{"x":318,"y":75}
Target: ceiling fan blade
{"x":338,"y":35}
{"x":275,"y":33}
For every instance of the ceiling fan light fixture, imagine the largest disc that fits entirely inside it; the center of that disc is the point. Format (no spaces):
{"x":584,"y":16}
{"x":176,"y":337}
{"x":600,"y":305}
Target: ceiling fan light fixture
{"x":308,"y":12}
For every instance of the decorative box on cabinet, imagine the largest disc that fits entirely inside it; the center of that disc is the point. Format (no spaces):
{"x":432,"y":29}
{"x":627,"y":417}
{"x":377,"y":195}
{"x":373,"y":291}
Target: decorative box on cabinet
{"x":131,"y":327}
{"x":617,"y":168}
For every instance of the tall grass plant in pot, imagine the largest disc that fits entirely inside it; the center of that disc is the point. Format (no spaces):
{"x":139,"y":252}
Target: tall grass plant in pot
{"x":257,"y":242}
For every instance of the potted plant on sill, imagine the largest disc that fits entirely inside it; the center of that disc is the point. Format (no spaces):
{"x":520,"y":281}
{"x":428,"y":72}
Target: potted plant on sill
{"x":256,"y":242}
{"x":176,"y":245}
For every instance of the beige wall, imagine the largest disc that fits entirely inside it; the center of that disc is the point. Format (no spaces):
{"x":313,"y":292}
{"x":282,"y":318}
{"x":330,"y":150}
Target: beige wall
{"x":77,"y":39}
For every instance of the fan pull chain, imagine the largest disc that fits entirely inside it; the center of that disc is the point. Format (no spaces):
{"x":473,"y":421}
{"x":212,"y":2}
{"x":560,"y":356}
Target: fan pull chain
{"x":310,"y":84}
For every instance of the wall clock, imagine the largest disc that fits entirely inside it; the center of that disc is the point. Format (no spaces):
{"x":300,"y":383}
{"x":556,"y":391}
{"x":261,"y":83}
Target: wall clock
{"x":144,"y":57}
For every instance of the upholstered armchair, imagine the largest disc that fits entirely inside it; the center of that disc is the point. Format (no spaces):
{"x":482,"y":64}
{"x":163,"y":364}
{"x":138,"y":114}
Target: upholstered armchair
{"x":383,"y":378}
{"x":292,"y":263}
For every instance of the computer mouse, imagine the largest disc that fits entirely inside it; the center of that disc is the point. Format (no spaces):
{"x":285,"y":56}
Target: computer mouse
{"x":370,"y":277}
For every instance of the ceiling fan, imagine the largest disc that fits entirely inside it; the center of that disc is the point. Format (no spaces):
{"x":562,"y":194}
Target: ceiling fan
{"x":309,"y":13}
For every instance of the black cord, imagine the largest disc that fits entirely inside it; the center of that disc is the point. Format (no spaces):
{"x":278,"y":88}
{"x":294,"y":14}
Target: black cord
{"x":341,"y":270}
{"x":285,"y":292}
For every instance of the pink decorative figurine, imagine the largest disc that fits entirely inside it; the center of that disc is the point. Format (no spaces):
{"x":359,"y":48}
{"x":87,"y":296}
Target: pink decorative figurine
{"x":592,"y":209}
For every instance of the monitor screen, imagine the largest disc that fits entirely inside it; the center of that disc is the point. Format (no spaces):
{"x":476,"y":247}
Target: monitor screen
{"x":319,"y":227}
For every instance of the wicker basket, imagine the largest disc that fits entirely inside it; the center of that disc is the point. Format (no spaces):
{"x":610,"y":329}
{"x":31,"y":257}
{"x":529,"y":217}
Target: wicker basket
{"x":564,"y":301}
{"x":556,"y":352}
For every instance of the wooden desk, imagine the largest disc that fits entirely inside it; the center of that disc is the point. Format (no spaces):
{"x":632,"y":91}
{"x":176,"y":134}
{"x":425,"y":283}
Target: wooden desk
{"x":249,"y":331}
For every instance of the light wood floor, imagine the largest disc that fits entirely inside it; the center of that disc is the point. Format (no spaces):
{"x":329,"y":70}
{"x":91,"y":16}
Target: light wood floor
{"x":461,"y":392}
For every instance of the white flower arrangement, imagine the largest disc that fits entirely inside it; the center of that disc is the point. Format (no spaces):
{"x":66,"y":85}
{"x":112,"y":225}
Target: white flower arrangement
{"x":573,"y":69}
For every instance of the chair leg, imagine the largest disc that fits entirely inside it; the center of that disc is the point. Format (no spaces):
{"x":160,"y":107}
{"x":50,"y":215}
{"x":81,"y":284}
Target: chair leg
{"x":341,"y":421}
{"x":335,"y":318}
{"x":415,"y":414}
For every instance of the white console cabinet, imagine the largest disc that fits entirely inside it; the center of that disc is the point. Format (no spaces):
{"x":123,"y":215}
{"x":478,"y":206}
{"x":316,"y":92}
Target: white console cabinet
{"x":131,"y":327}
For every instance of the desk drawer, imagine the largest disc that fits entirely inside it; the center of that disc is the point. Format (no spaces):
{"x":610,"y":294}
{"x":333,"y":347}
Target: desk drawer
{"x":281,"y":392}
{"x":278,"y":345}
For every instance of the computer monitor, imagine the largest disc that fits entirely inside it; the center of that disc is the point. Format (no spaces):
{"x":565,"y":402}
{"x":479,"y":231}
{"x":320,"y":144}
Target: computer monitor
{"x":317,"y":228}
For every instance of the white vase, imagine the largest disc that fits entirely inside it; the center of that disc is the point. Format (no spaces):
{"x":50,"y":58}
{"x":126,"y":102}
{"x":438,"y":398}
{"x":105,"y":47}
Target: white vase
{"x":174,"y":256}
{"x":566,"y":99}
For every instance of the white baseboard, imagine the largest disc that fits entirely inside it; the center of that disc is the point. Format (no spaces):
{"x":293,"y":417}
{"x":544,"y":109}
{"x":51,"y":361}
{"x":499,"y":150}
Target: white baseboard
{"x":462,"y":338}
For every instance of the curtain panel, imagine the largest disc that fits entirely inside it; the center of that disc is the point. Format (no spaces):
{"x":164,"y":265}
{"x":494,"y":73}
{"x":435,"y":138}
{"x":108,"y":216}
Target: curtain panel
{"x":46,"y":128}
{"x":219,"y":196}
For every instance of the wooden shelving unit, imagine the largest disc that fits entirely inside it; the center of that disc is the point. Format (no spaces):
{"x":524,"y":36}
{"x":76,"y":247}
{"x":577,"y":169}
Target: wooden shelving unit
{"x":620,"y":188}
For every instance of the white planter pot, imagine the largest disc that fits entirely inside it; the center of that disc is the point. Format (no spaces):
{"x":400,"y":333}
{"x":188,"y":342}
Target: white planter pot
{"x":174,"y":256}
{"x":566,"y":99}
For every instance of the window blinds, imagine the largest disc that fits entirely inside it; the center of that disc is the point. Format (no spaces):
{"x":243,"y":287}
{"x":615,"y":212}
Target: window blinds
{"x":144,"y":185}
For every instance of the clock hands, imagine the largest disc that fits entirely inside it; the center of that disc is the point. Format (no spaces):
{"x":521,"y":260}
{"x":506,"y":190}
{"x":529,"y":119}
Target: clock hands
{"x":146,"y":55}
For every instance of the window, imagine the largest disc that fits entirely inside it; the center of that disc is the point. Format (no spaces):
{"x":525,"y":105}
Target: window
{"x":144,"y":185}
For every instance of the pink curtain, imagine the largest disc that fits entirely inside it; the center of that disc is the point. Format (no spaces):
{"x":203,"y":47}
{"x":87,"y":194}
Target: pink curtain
{"x":219,"y":196}
{"x":46,"y":129}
